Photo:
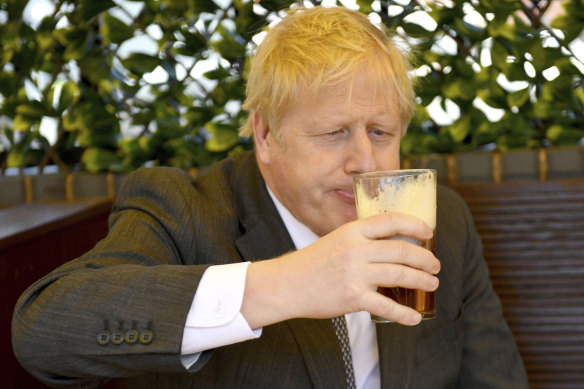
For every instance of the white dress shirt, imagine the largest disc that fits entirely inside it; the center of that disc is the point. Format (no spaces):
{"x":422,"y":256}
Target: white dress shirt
{"x":214,"y":319}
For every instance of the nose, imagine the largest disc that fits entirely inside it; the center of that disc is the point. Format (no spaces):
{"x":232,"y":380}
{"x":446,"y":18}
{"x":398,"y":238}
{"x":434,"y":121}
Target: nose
{"x":359,"y":154}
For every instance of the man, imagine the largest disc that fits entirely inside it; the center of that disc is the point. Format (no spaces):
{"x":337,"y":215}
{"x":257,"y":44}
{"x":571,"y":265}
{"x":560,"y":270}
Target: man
{"x":231,"y":280}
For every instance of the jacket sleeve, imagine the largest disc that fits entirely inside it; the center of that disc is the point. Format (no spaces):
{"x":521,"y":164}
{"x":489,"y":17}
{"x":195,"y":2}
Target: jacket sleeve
{"x":120,"y":309}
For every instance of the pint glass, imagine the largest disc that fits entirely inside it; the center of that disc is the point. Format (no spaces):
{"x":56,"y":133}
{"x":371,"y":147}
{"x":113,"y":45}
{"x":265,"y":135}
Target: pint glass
{"x":411,"y":192}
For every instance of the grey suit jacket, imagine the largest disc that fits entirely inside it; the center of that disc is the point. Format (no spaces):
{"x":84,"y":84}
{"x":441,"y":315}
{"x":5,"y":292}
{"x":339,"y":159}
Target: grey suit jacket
{"x":137,"y":285}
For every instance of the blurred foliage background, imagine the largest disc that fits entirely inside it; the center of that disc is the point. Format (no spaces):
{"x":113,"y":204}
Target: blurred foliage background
{"x":112,"y":85}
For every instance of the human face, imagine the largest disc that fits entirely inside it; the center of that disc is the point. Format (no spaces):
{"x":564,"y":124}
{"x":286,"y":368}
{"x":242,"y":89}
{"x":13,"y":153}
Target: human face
{"x":322,"y":143}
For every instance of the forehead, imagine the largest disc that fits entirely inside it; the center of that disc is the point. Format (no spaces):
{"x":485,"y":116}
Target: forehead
{"x":361,"y":88}
{"x":335,"y":107}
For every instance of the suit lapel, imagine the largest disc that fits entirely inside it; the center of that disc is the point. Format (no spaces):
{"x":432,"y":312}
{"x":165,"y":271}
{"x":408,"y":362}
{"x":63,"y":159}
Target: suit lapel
{"x":321,"y":352}
{"x":262,"y":242}
{"x":265,"y":236}
{"x":396,"y":354}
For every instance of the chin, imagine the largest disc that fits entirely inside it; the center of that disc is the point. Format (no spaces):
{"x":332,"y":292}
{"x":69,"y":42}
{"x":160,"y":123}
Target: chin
{"x":344,"y":220}
{"x":349,"y":214}
{"x":338,"y":216}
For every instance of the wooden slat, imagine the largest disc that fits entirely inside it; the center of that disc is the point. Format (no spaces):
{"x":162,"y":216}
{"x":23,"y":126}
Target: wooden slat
{"x":533,"y":238}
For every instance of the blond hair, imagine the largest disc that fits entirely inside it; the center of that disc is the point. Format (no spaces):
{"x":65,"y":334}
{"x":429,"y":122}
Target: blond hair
{"x":313,"y":48}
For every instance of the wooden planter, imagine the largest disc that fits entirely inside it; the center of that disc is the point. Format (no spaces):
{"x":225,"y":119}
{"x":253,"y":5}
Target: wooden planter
{"x":495,"y":167}
{"x":15,"y":190}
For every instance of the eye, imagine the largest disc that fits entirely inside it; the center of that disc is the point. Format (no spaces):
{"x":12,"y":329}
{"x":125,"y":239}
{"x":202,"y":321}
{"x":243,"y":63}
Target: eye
{"x":378,"y":133}
{"x":335,"y":133}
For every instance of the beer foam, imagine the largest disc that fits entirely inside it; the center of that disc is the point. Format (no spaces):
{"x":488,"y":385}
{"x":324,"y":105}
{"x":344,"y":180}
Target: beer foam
{"x":413,"y":195}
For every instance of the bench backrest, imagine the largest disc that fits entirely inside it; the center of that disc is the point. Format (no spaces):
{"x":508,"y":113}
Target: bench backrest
{"x":533,"y":235}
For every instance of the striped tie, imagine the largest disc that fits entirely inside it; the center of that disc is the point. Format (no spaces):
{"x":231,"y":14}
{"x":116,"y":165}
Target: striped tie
{"x":340,"y":325}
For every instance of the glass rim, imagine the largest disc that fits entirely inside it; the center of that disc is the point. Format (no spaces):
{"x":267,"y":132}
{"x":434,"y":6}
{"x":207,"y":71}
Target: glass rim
{"x":394,"y":173}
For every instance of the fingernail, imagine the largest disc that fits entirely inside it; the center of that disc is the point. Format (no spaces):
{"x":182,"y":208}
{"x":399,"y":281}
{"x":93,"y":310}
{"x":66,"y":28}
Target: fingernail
{"x":416,"y":319}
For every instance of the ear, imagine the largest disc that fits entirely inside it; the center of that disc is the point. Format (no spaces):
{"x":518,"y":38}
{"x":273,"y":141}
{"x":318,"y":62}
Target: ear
{"x":262,"y":137}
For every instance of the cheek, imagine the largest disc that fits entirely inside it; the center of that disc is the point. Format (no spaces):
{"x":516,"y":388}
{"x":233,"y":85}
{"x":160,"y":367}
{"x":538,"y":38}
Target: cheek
{"x":388,"y":159}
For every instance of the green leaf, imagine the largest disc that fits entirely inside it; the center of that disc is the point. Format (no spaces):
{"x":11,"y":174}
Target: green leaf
{"x":140,"y":63}
{"x":500,"y":28}
{"x":94,"y":67}
{"x":217,"y":74}
{"x":543,"y":57}
{"x":8,"y":84}
{"x":208,"y":6}
{"x":499,"y":55}
{"x":93,"y":123}
{"x":24,"y":123}
{"x":416,"y":30}
{"x":223,"y":137}
{"x":16,"y":158}
{"x":516,"y":133}
{"x":515,"y":72}
{"x":229,"y":46}
{"x":460,"y":89}
{"x":194,"y":40}
{"x":32,"y":109}
{"x":579,"y":93}
{"x":198,"y":116}
{"x":114,"y":30}
{"x":414,"y":144}
{"x":470,"y":30}
{"x":44,"y":36}
{"x":486,"y":133}
{"x":29,"y":114}
{"x":70,"y":94}
{"x":546,"y":109}
{"x":96,"y":160}
{"x":460,"y":129}
{"x":518,"y":98}
{"x":427,"y":88}
{"x":564,"y":135}
{"x":22,"y":157}
{"x":364,"y":5}
{"x":464,"y":69}
{"x":88,"y":9}
{"x":445,"y":15}
{"x":566,"y":68}
{"x":571,"y":22}
{"x":74,"y":40}
{"x":192,"y":44}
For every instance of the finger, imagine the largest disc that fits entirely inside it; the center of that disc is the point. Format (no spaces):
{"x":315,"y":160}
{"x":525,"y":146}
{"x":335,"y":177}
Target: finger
{"x":385,"y":307}
{"x":401,"y":252}
{"x":389,"y":275}
{"x":390,"y":224}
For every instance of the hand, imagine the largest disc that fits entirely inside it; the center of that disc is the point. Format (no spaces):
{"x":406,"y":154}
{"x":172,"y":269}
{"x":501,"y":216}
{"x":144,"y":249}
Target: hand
{"x":340,"y":273}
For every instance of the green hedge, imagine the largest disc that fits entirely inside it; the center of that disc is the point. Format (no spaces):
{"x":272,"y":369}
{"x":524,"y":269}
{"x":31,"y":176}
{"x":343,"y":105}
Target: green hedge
{"x":128,"y":83}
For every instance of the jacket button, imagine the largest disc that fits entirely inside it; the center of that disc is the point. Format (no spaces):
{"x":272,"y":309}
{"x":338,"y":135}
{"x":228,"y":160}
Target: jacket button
{"x":131,"y":336}
{"x":103,"y":338}
{"x":146,"y":336}
{"x":117,"y":337}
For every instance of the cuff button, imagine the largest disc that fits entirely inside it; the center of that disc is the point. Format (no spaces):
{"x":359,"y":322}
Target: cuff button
{"x":117,"y":337}
{"x":146,"y":336}
{"x":103,"y":338}
{"x":131,"y":336}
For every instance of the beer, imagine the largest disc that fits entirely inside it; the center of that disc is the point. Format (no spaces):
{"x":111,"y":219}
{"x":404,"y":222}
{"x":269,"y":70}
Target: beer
{"x":411,"y":192}
{"x":420,"y":300}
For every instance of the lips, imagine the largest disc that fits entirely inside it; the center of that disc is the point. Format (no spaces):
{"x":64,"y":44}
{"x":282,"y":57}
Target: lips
{"x":345,"y":195}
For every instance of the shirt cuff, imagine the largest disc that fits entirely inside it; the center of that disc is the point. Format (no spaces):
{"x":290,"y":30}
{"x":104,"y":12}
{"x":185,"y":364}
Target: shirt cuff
{"x":214,"y":319}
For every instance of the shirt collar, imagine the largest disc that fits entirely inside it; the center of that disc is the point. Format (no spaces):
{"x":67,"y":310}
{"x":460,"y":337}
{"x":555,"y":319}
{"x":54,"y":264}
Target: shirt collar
{"x":301,"y":235}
